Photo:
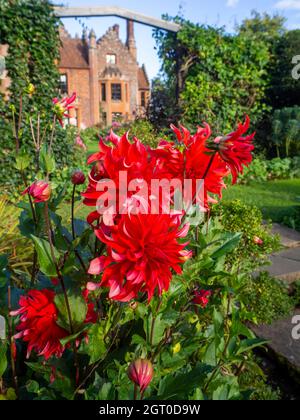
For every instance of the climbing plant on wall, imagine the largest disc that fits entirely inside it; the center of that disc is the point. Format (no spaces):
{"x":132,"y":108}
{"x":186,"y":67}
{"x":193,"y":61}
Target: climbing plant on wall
{"x":31,"y":30}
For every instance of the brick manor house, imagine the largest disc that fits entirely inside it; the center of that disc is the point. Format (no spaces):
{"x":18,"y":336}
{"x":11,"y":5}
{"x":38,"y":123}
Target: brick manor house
{"x":105,"y":74}
{"x":109,"y":82}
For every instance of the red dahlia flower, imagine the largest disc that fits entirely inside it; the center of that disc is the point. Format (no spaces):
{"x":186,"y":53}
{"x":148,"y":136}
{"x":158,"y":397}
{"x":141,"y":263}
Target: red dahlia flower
{"x":141,"y":373}
{"x":201,"y":297}
{"x":142,"y":251}
{"x":40,"y":191}
{"x":192,"y":160}
{"x":38,"y":327}
{"x":132,"y":158}
{"x":62,"y":107}
{"x":236,"y":150}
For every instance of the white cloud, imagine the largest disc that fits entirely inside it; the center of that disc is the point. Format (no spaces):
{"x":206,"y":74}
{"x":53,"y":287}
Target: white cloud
{"x":288,"y":4}
{"x":232,"y":3}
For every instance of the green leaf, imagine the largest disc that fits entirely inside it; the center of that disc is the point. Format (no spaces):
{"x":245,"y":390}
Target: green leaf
{"x":39,"y":368}
{"x":78,"y":309}
{"x":230,"y":242}
{"x":45,"y":260}
{"x":247,"y":345}
{"x":47,"y":161}
{"x":3,"y":359}
{"x":22,"y":161}
{"x":96,"y":347}
{"x":227,"y":390}
{"x":32,"y":386}
{"x":106,"y":392}
{"x":158,"y":326}
{"x":73,"y":337}
{"x":182,"y":384}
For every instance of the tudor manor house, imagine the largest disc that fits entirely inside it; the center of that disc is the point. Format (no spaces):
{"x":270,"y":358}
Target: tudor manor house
{"x":105,"y":74}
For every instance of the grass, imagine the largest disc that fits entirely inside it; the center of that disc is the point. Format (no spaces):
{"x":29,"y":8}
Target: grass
{"x":276,"y":199}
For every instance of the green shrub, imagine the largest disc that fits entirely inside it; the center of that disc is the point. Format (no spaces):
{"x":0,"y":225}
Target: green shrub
{"x":262,"y":170}
{"x":267,"y":298}
{"x":293,"y":219}
{"x":236,"y":216}
{"x":257,"y":171}
{"x":140,"y":128}
{"x":256,"y":379}
{"x":296,"y":294}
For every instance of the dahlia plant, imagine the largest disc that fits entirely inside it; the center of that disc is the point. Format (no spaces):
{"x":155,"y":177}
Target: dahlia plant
{"x":138,"y":301}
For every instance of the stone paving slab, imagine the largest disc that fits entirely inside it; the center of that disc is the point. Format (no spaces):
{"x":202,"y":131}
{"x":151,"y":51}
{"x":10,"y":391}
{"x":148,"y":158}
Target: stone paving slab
{"x":284,"y":267}
{"x":281,"y":341}
{"x":289,"y":238}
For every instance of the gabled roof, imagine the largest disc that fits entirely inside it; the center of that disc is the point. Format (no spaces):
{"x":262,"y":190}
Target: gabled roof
{"x":143,"y":81}
{"x":73,"y":51}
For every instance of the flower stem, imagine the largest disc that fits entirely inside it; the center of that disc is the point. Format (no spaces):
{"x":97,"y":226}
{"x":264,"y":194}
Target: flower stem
{"x":153,"y":322}
{"x":135,"y":392}
{"x":72,"y":212}
{"x":209,"y":165}
{"x":10,"y":337}
{"x":63,"y":286}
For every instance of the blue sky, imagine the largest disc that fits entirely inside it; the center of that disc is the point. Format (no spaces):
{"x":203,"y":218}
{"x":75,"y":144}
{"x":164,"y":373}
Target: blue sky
{"x":213,"y":12}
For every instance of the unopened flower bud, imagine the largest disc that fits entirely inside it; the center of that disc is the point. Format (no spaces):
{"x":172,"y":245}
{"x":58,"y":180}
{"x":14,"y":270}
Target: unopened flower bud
{"x":40,"y":191}
{"x":141,"y":373}
{"x":257,"y":240}
{"x":78,"y":178}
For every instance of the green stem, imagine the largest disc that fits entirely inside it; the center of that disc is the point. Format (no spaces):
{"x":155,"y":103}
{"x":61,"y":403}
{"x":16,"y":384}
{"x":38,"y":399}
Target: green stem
{"x":135,"y":392}
{"x":209,"y":165}
{"x":10,"y":338}
{"x":72,"y":212}
{"x":63,"y":286}
{"x":153,"y":322}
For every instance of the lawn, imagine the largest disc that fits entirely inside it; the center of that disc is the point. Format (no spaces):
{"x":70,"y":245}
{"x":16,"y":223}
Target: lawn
{"x":276,"y":199}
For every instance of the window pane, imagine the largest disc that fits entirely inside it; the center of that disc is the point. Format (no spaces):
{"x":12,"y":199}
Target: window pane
{"x":103,"y":92}
{"x":63,"y":84}
{"x":116,"y":94}
{"x":110,"y":59}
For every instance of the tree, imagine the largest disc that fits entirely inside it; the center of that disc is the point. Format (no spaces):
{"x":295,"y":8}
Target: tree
{"x":263,"y":27}
{"x":285,"y":89}
{"x":218,"y":77}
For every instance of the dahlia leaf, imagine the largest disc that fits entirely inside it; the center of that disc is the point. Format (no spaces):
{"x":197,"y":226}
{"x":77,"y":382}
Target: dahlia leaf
{"x":249,"y":344}
{"x":96,"y":347}
{"x":73,"y":337}
{"x":183,"y":383}
{"x":230,"y":242}
{"x":3,"y":359}
{"x":78,"y":308}
{"x":47,"y":161}
{"x":45,"y":260}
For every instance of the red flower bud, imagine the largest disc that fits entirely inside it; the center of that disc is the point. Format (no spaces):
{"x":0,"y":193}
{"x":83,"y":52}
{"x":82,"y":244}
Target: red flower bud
{"x":40,"y":191}
{"x":78,"y":178}
{"x":141,"y":373}
{"x":257,"y":240}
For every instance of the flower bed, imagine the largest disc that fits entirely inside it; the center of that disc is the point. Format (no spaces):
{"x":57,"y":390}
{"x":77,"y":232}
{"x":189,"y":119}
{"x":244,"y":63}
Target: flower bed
{"x":144,"y":300}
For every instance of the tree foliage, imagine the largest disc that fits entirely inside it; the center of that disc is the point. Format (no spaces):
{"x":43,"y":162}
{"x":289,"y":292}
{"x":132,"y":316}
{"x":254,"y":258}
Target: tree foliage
{"x":223,"y":74}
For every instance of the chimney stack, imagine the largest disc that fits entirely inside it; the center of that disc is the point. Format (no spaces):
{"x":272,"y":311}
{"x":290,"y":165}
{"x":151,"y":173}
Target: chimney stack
{"x":130,"y":43}
{"x":116,"y":28}
{"x":92,"y":37}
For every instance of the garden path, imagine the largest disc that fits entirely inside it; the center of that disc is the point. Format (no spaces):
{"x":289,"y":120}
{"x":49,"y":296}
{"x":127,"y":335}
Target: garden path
{"x":284,"y":335}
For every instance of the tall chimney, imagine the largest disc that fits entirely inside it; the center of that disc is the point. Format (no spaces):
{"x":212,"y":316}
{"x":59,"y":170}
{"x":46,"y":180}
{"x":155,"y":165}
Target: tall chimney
{"x":116,"y":28}
{"x":131,"y":45}
{"x":94,"y":85}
